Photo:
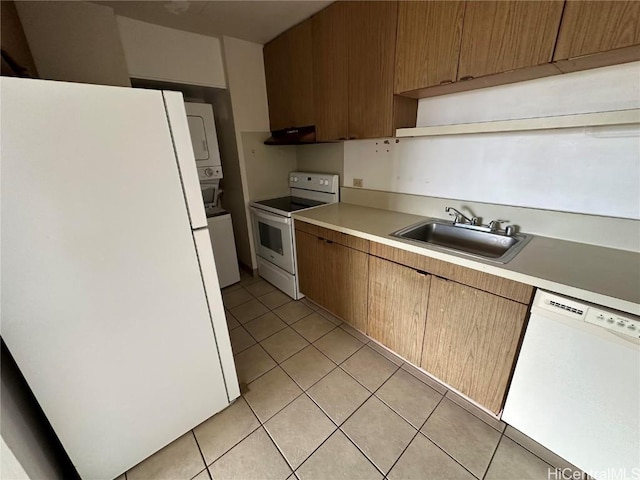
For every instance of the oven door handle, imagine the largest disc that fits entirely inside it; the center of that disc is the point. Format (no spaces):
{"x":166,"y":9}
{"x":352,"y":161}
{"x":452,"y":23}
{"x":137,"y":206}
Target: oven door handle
{"x":270,"y":217}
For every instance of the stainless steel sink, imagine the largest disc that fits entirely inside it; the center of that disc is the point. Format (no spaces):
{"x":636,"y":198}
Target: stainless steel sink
{"x":493,"y":246}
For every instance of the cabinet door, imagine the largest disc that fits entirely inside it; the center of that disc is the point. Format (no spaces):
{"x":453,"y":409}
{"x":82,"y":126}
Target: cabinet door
{"x":311,"y":274}
{"x":398,"y":298}
{"x":330,"y":73}
{"x":289,"y":76}
{"x":333,"y":276}
{"x":277,"y":70}
{"x":371,"y":43}
{"x":593,"y":27}
{"x":301,"y":86}
{"x":502,"y":36}
{"x":428,"y":44}
{"x":471,"y":339}
{"x":347,"y":271}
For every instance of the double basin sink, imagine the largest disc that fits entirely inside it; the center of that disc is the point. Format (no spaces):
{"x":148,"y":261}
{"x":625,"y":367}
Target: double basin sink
{"x":495,"y":246}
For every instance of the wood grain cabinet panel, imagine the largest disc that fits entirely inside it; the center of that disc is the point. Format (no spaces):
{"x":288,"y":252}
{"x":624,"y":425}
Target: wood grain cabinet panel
{"x":520,"y":292}
{"x":428,"y":43}
{"x":289,"y":77}
{"x":309,"y":249}
{"x":334,"y":276}
{"x":277,"y":71}
{"x":331,"y":73}
{"x":398,"y":298}
{"x":499,"y":36}
{"x":597,"y":26}
{"x":471,"y":339}
{"x":371,"y":46}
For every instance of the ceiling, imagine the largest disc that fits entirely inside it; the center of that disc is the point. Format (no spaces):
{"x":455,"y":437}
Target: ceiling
{"x":255,"y":21}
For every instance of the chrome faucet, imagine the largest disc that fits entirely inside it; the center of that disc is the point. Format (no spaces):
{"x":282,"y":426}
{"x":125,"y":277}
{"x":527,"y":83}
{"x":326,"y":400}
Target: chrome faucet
{"x":463,"y":221}
{"x":460,"y":217}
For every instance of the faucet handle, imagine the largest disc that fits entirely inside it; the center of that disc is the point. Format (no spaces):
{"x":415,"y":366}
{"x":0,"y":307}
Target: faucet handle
{"x":494,"y":224}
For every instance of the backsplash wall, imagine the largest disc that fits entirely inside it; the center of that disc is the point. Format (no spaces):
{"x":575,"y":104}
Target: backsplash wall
{"x":585,"y":170}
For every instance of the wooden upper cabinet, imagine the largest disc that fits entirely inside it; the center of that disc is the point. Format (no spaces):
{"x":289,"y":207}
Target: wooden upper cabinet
{"x":502,"y":36}
{"x":331,"y":73}
{"x":594,"y":27}
{"x":428,"y":43}
{"x":371,"y":29}
{"x":288,"y":70}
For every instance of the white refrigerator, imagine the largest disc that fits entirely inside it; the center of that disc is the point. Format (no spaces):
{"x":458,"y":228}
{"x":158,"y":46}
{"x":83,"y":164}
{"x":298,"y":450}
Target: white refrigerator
{"x":110,"y":301}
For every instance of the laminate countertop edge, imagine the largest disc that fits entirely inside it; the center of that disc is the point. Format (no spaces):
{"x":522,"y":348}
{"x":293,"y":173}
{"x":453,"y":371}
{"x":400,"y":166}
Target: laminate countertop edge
{"x":598,"y":275}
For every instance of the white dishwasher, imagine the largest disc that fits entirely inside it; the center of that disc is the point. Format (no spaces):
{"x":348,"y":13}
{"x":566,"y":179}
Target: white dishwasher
{"x":576,"y":385}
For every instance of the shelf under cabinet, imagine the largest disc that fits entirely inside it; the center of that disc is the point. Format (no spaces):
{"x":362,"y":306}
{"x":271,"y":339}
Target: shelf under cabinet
{"x":596,"y":119}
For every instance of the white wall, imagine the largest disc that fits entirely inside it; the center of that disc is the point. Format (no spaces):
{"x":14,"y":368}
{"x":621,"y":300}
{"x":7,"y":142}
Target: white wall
{"x":321,"y":158}
{"x":590,"y":170}
{"x":161,"y":53}
{"x":267,"y":166}
{"x":74,"y":41}
{"x":244,"y":67}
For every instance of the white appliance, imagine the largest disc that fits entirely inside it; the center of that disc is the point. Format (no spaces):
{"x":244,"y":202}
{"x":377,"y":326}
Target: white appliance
{"x":202,"y":129}
{"x":110,"y":301}
{"x":224,"y":246}
{"x":576,"y":385}
{"x":205,"y":149}
{"x":273,"y":229}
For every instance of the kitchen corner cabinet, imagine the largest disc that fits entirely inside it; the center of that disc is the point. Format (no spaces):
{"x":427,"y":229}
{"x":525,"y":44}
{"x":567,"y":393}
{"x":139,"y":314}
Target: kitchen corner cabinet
{"x":333,"y":274}
{"x":428,"y":43}
{"x":471,"y":339}
{"x":398,"y":298}
{"x":501,"y":36}
{"x":598,"y":33}
{"x":289,"y":78}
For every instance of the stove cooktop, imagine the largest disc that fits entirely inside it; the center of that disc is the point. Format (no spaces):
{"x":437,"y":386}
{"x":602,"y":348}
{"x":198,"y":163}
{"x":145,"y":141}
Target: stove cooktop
{"x":290,"y":204}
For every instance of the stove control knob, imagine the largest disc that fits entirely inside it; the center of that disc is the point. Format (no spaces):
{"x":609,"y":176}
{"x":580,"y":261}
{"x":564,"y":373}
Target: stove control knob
{"x":320,"y":181}
{"x":208,"y":172}
{"x":326,"y":182}
{"x":295,"y":179}
{"x":291,"y":179}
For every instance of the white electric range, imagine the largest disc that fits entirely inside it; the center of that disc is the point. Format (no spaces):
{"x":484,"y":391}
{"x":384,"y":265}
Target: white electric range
{"x":273,"y":230}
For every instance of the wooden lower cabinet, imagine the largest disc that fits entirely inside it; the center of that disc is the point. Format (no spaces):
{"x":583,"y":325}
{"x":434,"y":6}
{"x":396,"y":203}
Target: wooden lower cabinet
{"x":471,"y":339}
{"x":334,"y":276}
{"x":398,"y":297}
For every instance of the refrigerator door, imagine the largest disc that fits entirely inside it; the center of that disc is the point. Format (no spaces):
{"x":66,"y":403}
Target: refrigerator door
{"x":174,"y":104}
{"x":103,"y":305}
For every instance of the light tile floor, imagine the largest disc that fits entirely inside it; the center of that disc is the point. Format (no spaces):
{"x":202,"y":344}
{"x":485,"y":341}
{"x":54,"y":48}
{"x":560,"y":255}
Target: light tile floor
{"x":323,"y":401}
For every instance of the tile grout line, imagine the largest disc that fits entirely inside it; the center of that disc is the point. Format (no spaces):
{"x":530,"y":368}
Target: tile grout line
{"x":438,"y":446}
{"x":206,"y":467}
{"x":492,"y":456}
{"x":371,"y":394}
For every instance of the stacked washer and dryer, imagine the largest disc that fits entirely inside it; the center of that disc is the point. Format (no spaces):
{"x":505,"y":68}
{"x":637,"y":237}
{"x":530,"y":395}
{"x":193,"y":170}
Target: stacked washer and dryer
{"x":205,"y":148}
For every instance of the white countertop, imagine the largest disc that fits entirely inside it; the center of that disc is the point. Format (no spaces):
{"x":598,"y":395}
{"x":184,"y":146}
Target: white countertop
{"x":599,"y":275}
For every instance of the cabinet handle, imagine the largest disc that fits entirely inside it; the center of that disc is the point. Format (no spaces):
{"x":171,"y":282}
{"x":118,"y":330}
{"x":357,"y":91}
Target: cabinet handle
{"x":468,"y":77}
{"x":422,"y":272}
{"x":329,"y":241}
{"x":445,"y":82}
{"x":342,"y":138}
{"x":321,"y":239}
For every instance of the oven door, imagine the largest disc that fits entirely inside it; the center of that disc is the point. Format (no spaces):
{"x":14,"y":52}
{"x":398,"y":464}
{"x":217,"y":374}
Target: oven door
{"x":273,"y":238}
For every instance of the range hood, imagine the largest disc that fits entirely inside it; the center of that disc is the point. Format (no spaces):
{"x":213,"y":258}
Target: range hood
{"x":292,"y":136}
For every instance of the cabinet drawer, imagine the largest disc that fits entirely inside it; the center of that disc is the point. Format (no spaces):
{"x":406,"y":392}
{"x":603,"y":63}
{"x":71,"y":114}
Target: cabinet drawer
{"x":334,"y":236}
{"x":503,"y":287}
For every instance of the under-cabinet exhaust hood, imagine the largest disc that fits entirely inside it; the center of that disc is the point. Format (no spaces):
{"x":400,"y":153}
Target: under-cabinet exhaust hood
{"x":292,"y":136}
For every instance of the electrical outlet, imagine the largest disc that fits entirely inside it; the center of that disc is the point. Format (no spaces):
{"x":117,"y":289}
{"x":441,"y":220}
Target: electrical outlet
{"x":357,"y":182}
